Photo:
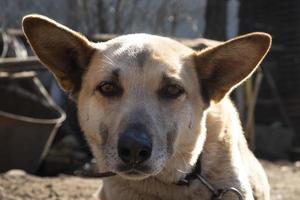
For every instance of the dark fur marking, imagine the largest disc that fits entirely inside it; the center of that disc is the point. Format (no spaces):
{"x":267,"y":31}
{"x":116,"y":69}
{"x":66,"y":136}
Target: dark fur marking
{"x":190,"y":124}
{"x":138,"y":116}
{"x":103,"y":133}
{"x":171,"y":136}
{"x":142,"y":56}
{"x":116,"y":74}
{"x":76,"y":68}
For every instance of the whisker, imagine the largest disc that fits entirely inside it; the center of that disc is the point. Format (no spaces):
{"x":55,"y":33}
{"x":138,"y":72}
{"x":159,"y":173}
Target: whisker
{"x":186,"y":164}
{"x":181,"y":171}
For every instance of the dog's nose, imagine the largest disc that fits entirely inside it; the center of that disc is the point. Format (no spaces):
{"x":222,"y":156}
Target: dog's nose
{"x":135,"y":145}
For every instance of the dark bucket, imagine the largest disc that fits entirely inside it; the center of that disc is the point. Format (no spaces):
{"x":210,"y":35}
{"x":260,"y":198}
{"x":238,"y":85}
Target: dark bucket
{"x":29,"y":120}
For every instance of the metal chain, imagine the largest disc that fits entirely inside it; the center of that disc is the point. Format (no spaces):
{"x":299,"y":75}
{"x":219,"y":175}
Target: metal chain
{"x":219,"y":194}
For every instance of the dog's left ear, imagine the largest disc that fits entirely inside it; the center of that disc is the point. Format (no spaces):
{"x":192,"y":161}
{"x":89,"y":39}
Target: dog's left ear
{"x":63,"y":51}
{"x":222,"y":68}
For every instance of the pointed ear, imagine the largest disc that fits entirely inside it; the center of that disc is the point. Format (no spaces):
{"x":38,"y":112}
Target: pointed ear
{"x":64,"y":52}
{"x":222,"y":68}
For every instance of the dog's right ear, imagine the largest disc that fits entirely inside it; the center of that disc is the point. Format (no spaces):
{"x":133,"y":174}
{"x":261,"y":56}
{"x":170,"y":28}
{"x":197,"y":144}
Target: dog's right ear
{"x":222,"y":68}
{"x":65,"y":52}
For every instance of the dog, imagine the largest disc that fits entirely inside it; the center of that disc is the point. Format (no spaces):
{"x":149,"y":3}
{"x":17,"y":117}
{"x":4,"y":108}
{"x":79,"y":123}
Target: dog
{"x":151,"y":107}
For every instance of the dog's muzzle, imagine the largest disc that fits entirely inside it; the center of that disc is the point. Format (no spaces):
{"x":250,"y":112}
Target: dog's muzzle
{"x":134,"y":145}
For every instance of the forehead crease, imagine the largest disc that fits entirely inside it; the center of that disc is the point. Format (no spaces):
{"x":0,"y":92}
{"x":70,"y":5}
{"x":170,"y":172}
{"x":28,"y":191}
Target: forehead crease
{"x":134,"y":55}
{"x":130,"y":56}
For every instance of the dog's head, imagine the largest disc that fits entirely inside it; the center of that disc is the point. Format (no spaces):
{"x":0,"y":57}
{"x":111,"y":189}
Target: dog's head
{"x":141,"y":97}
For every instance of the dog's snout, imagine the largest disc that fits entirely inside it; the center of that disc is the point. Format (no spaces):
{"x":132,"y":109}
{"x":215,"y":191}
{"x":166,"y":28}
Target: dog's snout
{"x":135,"y":145}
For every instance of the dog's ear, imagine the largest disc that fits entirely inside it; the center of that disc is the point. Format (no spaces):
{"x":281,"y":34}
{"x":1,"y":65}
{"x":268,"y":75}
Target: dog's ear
{"x":65,"y":52}
{"x":223,"y":67}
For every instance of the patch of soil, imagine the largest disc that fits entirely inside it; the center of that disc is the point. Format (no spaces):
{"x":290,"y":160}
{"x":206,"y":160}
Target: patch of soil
{"x":284,"y":178}
{"x":16,"y":185}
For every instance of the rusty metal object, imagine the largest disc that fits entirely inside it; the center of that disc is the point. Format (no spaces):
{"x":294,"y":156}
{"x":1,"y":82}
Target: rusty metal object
{"x":29,"y":120}
{"x":13,"y":65}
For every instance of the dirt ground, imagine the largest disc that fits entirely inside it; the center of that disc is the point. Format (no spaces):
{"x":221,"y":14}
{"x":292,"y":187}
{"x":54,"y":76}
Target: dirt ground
{"x":16,"y":185}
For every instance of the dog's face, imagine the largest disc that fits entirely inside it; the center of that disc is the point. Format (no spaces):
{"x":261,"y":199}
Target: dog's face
{"x":141,"y":97}
{"x":144,"y":88}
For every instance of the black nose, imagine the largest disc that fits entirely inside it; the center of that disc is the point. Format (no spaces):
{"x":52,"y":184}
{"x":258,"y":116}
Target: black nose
{"x":135,"y":145}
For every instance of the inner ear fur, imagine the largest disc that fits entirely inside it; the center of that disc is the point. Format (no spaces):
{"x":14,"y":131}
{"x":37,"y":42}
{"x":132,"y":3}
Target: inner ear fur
{"x":65,"y":52}
{"x":222,"y":68}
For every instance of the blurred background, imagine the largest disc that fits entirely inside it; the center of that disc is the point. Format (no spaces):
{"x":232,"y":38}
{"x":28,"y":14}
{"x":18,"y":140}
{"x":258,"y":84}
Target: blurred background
{"x":33,"y":108}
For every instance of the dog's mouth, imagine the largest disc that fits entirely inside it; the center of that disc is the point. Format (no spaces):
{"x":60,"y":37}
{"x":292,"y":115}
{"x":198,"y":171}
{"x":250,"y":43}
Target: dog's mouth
{"x":134,"y":172}
{"x":133,"y":175}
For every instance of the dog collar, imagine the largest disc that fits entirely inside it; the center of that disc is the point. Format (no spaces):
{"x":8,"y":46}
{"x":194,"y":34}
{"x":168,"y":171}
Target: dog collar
{"x":196,"y":174}
{"x":193,"y":175}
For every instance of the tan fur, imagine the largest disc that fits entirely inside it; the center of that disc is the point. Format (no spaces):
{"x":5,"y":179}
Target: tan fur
{"x":202,"y":119}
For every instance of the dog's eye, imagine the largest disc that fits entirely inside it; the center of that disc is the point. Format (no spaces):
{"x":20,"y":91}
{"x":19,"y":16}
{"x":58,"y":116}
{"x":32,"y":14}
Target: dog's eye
{"x":109,"y":89}
{"x":171,"y":91}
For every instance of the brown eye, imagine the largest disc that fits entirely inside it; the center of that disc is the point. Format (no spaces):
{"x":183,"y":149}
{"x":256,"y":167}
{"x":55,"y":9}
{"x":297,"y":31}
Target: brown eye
{"x":110,"y":89}
{"x":171,"y":92}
